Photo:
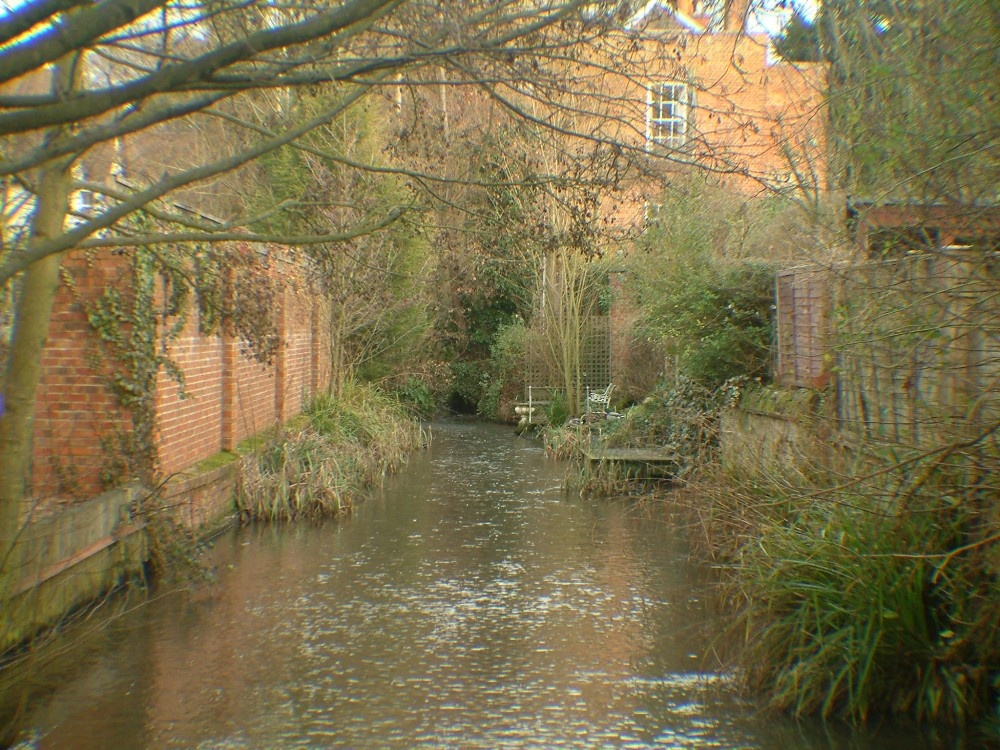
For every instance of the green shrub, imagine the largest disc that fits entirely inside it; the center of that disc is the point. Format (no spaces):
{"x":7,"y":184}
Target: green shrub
{"x":418,"y":397}
{"x":500,"y":379}
{"x":714,"y":319}
{"x":699,"y":291}
{"x":851,"y":611}
{"x":558,"y":410}
{"x":683,"y":414}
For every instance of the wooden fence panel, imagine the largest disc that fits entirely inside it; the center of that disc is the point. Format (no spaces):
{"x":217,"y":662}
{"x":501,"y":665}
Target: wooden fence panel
{"x":918,"y":357}
{"x":802,"y":353}
{"x":913,"y":343}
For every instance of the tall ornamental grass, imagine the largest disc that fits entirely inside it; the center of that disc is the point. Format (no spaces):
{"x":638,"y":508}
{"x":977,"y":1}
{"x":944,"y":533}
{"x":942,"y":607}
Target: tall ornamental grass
{"x":854,"y":608}
{"x":330,"y":459}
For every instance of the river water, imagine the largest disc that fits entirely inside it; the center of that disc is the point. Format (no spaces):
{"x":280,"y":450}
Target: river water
{"x":471,"y":604}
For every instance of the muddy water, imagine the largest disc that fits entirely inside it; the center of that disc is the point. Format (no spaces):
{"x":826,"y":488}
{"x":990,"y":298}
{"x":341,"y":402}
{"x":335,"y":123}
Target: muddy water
{"x":472,"y":604}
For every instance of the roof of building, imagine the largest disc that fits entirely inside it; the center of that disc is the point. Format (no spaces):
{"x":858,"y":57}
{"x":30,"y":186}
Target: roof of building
{"x":658,"y":7}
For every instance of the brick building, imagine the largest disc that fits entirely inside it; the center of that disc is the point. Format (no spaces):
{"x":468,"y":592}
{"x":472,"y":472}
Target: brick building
{"x":711,"y":94}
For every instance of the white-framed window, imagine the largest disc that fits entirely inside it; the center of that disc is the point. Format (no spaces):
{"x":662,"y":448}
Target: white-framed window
{"x":652,"y":215}
{"x":667,"y":113}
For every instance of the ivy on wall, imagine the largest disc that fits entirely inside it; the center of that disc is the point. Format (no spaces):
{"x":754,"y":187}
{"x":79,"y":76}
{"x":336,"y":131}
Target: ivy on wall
{"x":234,"y":290}
{"x":134,"y":325}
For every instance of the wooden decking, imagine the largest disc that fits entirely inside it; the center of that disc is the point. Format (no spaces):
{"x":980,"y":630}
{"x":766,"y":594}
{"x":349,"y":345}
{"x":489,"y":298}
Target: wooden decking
{"x":639,"y":462}
{"x":630,"y":455}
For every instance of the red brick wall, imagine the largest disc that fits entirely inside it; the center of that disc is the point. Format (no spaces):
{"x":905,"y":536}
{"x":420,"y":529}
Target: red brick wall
{"x":298,"y":352}
{"x":75,"y":408}
{"x":322,"y":366}
{"x":255,"y":397}
{"x":190,"y":427}
{"x":755,"y":119}
{"x":230,"y":396}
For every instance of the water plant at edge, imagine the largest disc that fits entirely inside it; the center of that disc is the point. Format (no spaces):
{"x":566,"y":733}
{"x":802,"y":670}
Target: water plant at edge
{"x":325,"y":462}
{"x":851,"y":609}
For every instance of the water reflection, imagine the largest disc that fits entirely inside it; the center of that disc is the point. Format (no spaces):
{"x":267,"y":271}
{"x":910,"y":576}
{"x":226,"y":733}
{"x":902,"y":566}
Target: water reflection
{"x":470,"y":605}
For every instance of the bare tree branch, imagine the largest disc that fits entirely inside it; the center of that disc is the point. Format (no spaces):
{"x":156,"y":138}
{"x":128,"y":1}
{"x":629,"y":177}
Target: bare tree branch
{"x":65,"y":36}
{"x":175,"y":77}
{"x":133,"y":122}
{"x":361,"y":230}
{"x":28,"y":15}
{"x":18,"y":261}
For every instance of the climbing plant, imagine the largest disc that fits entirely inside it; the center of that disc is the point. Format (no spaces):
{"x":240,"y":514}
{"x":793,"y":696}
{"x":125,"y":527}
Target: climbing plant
{"x":133,"y":327}
{"x":232,"y":288}
{"x":235,"y":290}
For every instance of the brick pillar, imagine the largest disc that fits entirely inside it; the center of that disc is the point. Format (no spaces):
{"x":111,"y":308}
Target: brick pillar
{"x":230,"y":351}
{"x":314,"y":345}
{"x":281,"y":358}
{"x":228,"y":375}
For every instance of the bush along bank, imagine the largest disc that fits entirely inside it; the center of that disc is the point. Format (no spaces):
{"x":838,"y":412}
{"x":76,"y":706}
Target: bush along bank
{"x":328,"y":460}
{"x":682,"y":417}
{"x":866,"y":599}
{"x":857,"y":593}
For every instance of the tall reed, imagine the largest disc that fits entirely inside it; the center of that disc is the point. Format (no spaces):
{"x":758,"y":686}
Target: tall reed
{"x":852,"y":606}
{"x":328,"y":461}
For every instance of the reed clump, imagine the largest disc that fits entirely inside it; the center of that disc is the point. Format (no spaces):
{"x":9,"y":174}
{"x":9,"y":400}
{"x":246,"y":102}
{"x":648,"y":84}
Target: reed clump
{"x":565,"y":442}
{"x":868,"y":599}
{"x":327,"y":461}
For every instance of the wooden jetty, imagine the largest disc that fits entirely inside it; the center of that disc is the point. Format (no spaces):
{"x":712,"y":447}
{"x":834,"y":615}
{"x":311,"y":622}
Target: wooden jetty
{"x":656,"y":461}
{"x":635,"y":455}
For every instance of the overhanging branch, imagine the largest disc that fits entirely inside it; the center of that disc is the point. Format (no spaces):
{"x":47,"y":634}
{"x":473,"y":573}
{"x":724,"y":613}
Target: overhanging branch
{"x":42,"y":248}
{"x":235,"y":236}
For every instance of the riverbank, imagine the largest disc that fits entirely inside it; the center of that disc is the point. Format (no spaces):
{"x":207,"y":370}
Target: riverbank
{"x":857,"y":590}
{"x":323,"y":463}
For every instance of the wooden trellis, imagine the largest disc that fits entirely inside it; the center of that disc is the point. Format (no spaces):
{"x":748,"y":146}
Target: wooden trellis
{"x":595,"y":353}
{"x":595,"y":358}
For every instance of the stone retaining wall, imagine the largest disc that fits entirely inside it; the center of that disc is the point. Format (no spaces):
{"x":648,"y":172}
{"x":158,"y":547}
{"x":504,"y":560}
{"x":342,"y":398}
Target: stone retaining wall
{"x":774,"y":431}
{"x":71,"y":554}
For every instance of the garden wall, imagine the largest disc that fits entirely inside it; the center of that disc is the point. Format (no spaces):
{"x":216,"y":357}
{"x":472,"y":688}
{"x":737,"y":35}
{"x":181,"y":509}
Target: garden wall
{"x":68,"y":554}
{"x":775,"y":431}
{"x":910,"y":344}
{"x":81,"y":428}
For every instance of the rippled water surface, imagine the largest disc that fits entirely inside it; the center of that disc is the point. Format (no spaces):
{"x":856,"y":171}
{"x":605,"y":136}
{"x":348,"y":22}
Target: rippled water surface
{"x":472,"y":604}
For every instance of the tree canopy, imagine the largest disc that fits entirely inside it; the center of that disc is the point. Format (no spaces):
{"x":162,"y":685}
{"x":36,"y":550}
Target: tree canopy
{"x":140,"y":65}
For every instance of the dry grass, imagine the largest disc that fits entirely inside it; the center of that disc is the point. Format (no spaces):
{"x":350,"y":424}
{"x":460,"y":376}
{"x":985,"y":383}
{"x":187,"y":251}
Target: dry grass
{"x":327,"y":464}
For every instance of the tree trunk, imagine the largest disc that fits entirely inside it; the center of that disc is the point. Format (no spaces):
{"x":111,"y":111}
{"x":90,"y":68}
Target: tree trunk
{"x":24,"y":364}
{"x":31,"y":325}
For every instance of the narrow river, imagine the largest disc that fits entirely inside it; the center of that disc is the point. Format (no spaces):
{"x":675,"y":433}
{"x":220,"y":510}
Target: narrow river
{"x":472,"y":604}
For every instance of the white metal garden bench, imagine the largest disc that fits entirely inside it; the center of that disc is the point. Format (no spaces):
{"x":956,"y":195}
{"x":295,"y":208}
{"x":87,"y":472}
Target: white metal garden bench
{"x":600,"y":399}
